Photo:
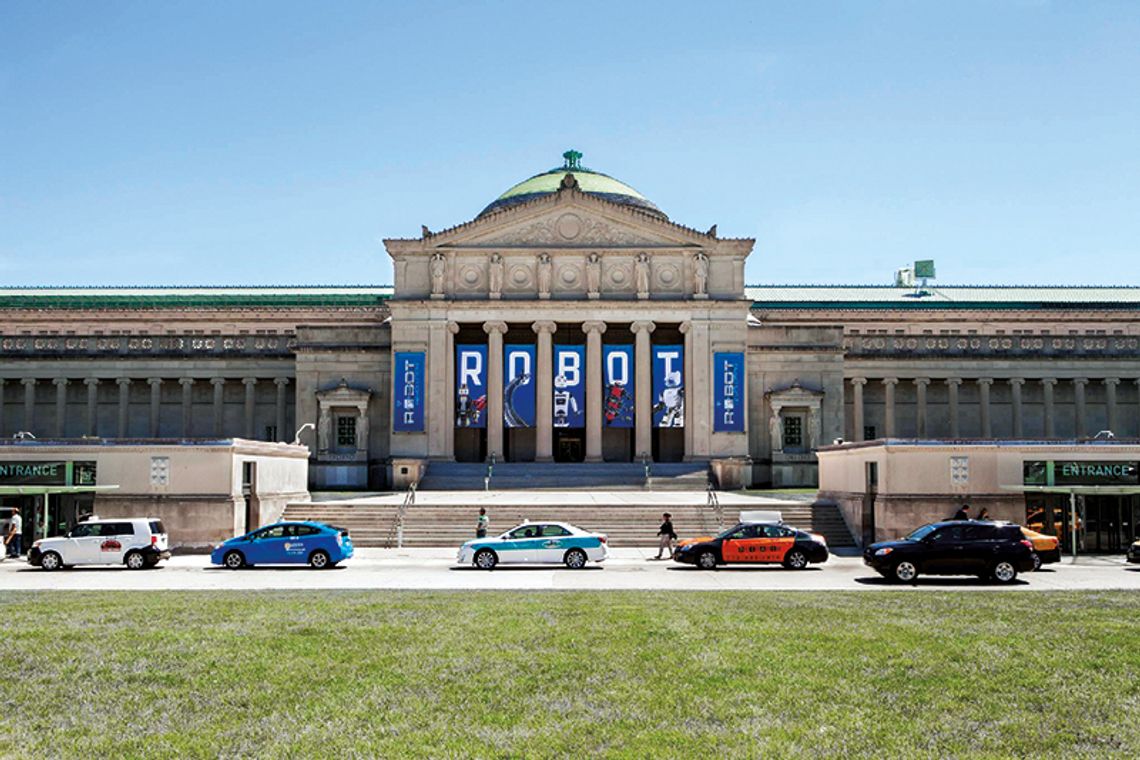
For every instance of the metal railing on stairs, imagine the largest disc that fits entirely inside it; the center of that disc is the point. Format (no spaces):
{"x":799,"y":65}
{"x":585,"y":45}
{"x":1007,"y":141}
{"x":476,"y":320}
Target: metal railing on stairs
{"x":490,"y":473}
{"x":714,"y":504}
{"x":401,"y":514}
{"x":648,"y":469}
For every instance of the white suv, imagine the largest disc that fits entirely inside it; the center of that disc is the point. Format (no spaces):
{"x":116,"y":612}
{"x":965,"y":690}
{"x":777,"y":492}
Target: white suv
{"x":136,"y":542}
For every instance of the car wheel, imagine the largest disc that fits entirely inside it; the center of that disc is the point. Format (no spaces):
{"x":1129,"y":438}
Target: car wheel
{"x":135,"y":561}
{"x":796,"y":560}
{"x":1036,"y":561}
{"x":706,"y":561}
{"x":905,"y":571}
{"x":319,"y":559}
{"x":575,"y":559}
{"x":51,"y":561}
{"x":485,"y":559}
{"x":1004,"y":572}
{"x":234,"y":560}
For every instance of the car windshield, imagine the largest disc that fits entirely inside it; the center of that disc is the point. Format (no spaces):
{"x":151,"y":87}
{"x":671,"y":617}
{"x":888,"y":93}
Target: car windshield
{"x":731,"y":532}
{"x":921,"y":533}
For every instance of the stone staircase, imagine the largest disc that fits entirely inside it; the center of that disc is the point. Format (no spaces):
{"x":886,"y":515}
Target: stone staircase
{"x":374,"y":525}
{"x":540,"y":476}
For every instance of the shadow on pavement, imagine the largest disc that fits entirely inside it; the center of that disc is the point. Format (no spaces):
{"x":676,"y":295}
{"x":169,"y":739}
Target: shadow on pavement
{"x":524,"y":568}
{"x":936,"y":581}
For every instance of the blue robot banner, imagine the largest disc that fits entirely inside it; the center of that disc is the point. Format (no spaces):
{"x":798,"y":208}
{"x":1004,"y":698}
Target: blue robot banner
{"x":617,"y":386}
{"x":519,"y":382}
{"x":728,"y":392}
{"x":408,"y":392}
{"x":569,"y":386}
{"x":471,"y":386}
{"x":668,"y":386}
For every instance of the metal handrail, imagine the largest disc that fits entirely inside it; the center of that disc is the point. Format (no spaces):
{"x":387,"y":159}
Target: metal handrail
{"x":648,"y":469}
{"x":490,"y":473}
{"x":714,"y":503}
{"x":401,"y":513}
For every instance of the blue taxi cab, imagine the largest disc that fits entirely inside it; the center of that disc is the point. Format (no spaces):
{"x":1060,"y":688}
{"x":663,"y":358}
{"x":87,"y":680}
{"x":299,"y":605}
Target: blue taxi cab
{"x":286,"y":543}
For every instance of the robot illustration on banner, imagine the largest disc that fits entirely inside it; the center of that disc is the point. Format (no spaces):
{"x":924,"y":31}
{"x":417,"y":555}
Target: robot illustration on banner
{"x":511,"y":415}
{"x":671,"y":402}
{"x":468,"y":410}
{"x":564,"y":403}
{"x":618,"y":405}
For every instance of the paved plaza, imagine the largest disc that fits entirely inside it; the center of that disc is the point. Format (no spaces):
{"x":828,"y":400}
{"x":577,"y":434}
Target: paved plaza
{"x":628,"y":568}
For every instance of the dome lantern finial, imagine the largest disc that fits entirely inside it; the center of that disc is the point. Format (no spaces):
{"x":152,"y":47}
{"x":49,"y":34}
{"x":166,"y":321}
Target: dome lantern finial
{"x":573,"y":159}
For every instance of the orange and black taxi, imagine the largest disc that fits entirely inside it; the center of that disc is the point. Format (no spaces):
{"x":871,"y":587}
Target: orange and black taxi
{"x":1046,"y":548}
{"x":754,"y":543}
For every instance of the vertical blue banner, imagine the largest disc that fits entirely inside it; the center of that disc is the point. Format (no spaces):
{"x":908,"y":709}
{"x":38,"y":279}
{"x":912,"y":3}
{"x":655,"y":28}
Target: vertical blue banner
{"x":518,"y":385}
{"x":728,"y":392}
{"x":569,"y":386}
{"x":471,"y":386}
{"x":668,"y":386}
{"x":408,"y":392}
{"x":617,"y":386}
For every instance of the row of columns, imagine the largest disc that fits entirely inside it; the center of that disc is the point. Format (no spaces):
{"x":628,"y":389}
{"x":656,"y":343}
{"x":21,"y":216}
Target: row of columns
{"x":155,"y":383}
{"x":984,"y":384}
{"x":544,"y":395}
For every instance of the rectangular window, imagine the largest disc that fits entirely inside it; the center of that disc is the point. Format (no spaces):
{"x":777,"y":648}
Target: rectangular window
{"x":869,"y":433}
{"x":160,"y":471}
{"x":793,"y":432}
{"x":346,"y":432}
{"x":270,"y":433}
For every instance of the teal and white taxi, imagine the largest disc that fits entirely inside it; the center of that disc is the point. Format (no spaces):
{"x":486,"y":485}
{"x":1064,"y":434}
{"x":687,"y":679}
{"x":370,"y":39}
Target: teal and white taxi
{"x":537,"y":543}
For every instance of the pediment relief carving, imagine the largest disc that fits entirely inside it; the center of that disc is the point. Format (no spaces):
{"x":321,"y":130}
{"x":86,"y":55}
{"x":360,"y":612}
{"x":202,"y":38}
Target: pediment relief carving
{"x":570,"y":227}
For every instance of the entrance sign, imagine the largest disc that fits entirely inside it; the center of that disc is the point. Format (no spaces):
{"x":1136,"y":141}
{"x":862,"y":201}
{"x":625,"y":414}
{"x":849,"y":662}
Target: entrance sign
{"x":408,"y":392}
{"x":728,"y":392}
{"x":569,"y":386}
{"x":1082,"y":473}
{"x":668,"y":386}
{"x":33,"y":473}
{"x":617,"y":386}
{"x":471,"y":386}
{"x":518,"y":389}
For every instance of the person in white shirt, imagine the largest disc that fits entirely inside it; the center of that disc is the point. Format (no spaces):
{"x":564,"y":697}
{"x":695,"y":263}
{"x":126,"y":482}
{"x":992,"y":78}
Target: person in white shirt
{"x":13,"y":542}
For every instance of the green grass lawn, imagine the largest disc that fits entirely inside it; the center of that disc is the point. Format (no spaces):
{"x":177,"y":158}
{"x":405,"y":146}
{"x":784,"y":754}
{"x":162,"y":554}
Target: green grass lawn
{"x":355,"y":674}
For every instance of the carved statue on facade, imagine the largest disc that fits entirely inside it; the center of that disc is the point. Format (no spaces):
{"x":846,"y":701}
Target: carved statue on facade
{"x":544,"y":267}
{"x":438,"y":272}
{"x":700,"y":273}
{"x":593,"y":274}
{"x":495,"y":276}
{"x":643,"y":275}
{"x":361,"y":431}
{"x":324,"y":430}
{"x":776,"y":430}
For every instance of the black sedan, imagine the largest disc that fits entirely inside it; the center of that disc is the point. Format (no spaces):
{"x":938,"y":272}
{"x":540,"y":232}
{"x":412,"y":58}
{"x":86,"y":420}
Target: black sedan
{"x":754,"y":543}
{"x":957,"y":547}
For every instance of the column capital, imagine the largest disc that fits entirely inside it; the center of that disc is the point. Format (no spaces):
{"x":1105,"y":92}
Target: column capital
{"x":280,"y":382}
{"x":1049,"y":381}
{"x":922,"y":382}
{"x":860,"y":381}
{"x":985,"y":381}
{"x":217,"y":381}
{"x":28,"y":382}
{"x":1111,"y":381}
{"x":59,"y":381}
{"x":544,"y":327}
{"x":1016,"y":381}
{"x":154,"y":382}
{"x":890,"y":381}
{"x":122,"y":382}
{"x":494,"y":327}
{"x":453,"y":327}
{"x":249,"y":382}
{"x":594,"y":327}
{"x":953,"y":382}
{"x":645,"y":325}
{"x":186,"y":382}
{"x":90,"y":381}
{"x":685,"y":328}
{"x":1080,"y":381}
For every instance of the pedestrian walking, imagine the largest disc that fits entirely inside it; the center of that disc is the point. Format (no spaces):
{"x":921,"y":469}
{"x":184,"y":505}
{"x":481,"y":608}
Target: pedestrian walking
{"x":963,"y":513}
{"x":983,"y":515}
{"x":14,"y":541}
{"x":666,"y":536}
{"x":482,"y":523}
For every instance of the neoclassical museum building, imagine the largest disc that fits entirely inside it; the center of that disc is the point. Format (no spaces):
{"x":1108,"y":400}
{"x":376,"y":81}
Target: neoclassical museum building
{"x":571,"y":320}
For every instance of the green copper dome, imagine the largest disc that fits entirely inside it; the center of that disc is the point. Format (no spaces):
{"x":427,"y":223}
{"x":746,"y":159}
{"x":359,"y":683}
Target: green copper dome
{"x":590,"y":182}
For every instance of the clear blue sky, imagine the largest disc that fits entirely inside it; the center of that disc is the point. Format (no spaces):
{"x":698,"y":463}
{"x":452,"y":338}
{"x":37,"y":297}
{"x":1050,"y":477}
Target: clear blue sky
{"x":148,"y":143}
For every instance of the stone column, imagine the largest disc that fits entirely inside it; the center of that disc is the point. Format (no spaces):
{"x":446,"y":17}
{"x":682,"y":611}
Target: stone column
{"x":155,"y":401}
{"x":124,"y":384}
{"x":1015,"y":384}
{"x":544,"y":392}
{"x":219,"y":384}
{"x":952,"y":390}
{"x":857,"y":420}
{"x":495,"y":332}
{"x":250,"y":384}
{"x":187,"y":384}
{"x":29,"y":403}
{"x":594,"y":332}
{"x":643,"y":384}
{"x":282,"y":384}
{"x":60,"y":405}
{"x":984,"y":384}
{"x":920,"y":384}
{"x":92,"y":384}
{"x":1110,"y":384}
{"x":449,"y":392}
{"x":889,"y":384}
{"x":1047,"y":392}
{"x":1079,"y":402}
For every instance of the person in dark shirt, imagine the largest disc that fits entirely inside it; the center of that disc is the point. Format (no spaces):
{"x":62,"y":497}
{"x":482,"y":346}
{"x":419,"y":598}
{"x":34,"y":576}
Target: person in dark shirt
{"x":963,"y":513}
{"x":666,"y":536}
{"x":984,"y":514}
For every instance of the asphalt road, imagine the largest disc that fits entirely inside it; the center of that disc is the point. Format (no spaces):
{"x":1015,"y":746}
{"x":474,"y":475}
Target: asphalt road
{"x":625,"y":569}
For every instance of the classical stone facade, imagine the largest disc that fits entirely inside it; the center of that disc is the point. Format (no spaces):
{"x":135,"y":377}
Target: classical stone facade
{"x":571,"y":257}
